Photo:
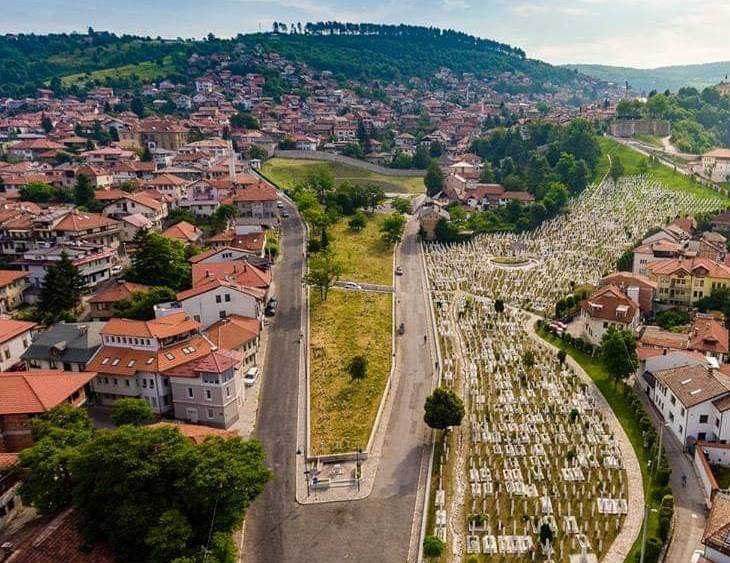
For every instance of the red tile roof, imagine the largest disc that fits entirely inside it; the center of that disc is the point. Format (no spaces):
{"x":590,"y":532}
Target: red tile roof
{"x":9,"y":276}
{"x":177,"y":323}
{"x":9,"y":328}
{"x":184,"y":232}
{"x":239,"y":271}
{"x":32,"y":392}
{"x":118,"y":291}
{"x":233,"y":332}
{"x":610,"y":304}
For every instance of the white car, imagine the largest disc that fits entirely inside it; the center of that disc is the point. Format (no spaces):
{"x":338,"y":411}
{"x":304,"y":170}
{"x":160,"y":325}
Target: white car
{"x":352,"y":285}
{"x":280,"y":204}
{"x":117,"y":269}
{"x":251,"y":376}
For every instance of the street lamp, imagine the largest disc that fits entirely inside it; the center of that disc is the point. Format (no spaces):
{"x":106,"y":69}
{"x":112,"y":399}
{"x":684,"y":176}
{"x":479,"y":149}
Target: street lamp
{"x":307,"y":472}
{"x":357,"y":467}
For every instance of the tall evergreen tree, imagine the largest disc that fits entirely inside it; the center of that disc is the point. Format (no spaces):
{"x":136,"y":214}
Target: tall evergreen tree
{"x":61,"y":290}
{"x":83,"y":191}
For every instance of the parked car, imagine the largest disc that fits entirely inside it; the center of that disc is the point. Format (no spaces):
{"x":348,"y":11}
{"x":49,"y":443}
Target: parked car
{"x":251,"y":376}
{"x":280,"y":204}
{"x":117,"y":269}
{"x":271,"y":307}
{"x":401,"y":328}
{"x":285,"y":214}
{"x":398,"y":271}
{"x":352,"y":285}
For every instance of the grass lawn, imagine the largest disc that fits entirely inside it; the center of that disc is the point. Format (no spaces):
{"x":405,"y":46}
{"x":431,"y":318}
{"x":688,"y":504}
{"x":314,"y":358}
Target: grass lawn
{"x":363,"y":255}
{"x":632,"y":161}
{"x":649,"y":140}
{"x":147,"y":70}
{"x":619,"y":398}
{"x":286,"y":171}
{"x":347,"y":324}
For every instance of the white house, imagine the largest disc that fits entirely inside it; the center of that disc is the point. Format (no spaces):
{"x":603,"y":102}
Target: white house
{"x":15,"y":337}
{"x":608,"y":308}
{"x":217,"y":299}
{"x":694,"y":401}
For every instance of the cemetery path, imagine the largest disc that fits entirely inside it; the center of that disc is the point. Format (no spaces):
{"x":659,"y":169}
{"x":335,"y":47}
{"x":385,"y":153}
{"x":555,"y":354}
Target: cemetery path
{"x":376,"y":529}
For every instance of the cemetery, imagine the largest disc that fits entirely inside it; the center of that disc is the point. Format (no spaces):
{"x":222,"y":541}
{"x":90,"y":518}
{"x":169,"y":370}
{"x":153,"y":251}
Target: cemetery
{"x":540,"y":468}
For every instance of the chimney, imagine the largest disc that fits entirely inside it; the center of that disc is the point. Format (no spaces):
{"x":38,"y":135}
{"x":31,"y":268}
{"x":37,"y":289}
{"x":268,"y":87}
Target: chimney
{"x":83,"y":329}
{"x":207,"y":273}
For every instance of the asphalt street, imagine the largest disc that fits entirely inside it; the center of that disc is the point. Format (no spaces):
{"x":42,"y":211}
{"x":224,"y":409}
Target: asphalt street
{"x":376,"y":529}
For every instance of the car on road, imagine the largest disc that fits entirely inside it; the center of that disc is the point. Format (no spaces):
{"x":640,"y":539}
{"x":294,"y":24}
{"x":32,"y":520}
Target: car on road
{"x":271,"y":307}
{"x":285,"y":214}
{"x":280,"y":204}
{"x":401,"y":328}
{"x":116,"y":269}
{"x":251,"y":376}
{"x":351,"y":285}
{"x":398,"y":271}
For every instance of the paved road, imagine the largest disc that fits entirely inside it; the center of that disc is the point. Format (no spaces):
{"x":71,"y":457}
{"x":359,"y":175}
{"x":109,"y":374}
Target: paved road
{"x":689,"y":501}
{"x":377,"y":529}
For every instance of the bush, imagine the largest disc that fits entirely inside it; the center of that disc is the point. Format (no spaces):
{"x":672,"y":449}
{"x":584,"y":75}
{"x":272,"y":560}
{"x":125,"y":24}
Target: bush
{"x":652,"y":551}
{"x":662,"y":476}
{"x":432,"y":546}
{"x":658,"y":493}
{"x":358,"y":367}
{"x":313,"y":246}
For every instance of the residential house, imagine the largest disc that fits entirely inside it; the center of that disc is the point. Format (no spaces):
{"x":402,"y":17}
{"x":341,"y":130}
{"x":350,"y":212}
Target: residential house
{"x":715,"y":165}
{"x":15,"y":337}
{"x":66,"y":346}
{"x":209,"y":389}
{"x":13,"y":284}
{"x":716,"y":535}
{"x":237,"y":333}
{"x":101,"y":303}
{"x":636,"y":287}
{"x":25,"y":394}
{"x":608,"y":308}
{"x":170,"y":364}
{"x":214,"y":299}
{"x":155,"y":133}
{"x":184,"y":232}
{"x":93,"y":262}
{"x":137,"y":203}
{"x":256,"y":201}
{"x":706,"y":336}
{"x":694,"y":401}
{"x":682,"y":282}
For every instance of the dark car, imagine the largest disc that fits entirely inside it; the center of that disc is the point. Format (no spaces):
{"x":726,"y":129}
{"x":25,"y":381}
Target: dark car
{"x":271,"y":307}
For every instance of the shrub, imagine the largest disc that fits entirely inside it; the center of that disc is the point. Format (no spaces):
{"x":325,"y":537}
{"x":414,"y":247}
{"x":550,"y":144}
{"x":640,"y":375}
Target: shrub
{"x":432,"y":546}
{"x":358,"y":367}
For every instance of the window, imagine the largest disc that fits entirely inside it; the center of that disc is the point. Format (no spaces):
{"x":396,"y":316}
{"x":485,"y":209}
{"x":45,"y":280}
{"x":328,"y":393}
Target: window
{"x":217,"y":298}
{"x":717,"y":422}
{"x":126,"y":382}
{"x":228,"y":391}
{"x":222,"y":314}
{"x":208,"y":395}
{"x":196,"y":318}
{"x":210,"y":413}
{"x":190,"y":392}
{"x":702,"y":436}
{"x":152,"y":383}
{"x":228,"y":297}
{"x":673,"y":400}
{"x":703,"y":419}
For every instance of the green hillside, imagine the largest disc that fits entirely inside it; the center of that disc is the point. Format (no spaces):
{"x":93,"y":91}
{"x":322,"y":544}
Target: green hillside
{"x":368,"y":52}
{"x":669,"y":77}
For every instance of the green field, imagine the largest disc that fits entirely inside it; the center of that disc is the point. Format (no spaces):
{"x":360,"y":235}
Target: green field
{"x":363,"y":255}
{"x":145,"y":71}
{"x":347,"y":324}
{"x":286,"y":171}
{"x":632,"y":162}
{"x":649,"y":140}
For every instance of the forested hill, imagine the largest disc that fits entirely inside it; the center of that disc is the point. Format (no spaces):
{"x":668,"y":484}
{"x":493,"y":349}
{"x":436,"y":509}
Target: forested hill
{"x":663,"y":78}
{"x":351,"y":51}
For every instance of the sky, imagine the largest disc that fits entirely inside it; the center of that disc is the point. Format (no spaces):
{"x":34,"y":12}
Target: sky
{"x":637,"y":33}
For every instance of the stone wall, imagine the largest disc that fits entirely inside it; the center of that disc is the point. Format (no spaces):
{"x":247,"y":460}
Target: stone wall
{"x":631,"y":127}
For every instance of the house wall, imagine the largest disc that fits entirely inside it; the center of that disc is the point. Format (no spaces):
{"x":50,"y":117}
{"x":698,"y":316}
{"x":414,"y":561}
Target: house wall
{"x":704,"y":472}
{"x":11,"y":350}
{"x":206,"y":309}
{"x":716,"y":556}
{"x":56,"y":364}
{"x":15,"y":432}
{"x":212,"y":404}
{"x":11,"y":295}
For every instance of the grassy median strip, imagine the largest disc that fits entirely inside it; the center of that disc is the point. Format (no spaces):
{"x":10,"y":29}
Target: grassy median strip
{"x":347,"y":324}
{"x":363,"y":255}
{"x":286,"y":171}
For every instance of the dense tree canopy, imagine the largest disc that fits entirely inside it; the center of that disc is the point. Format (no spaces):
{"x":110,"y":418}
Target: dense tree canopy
{"x":159,"y":261}
{"x":149,"y":492}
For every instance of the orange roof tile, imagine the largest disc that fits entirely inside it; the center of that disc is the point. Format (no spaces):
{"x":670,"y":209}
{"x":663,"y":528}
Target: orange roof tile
{"x":239,"y":271}
{"x":9,"y":276}
{"x":9,"y":328}
{"x":31,"y":392}
{"x":118,"y":291}
{"x":183,"y":231}
{"x":233,"y":332}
